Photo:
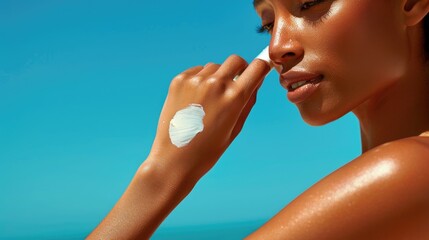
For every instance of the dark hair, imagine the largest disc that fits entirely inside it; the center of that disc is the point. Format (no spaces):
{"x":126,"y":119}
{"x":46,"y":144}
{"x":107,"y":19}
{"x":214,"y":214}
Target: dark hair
{"x":426,"y":35}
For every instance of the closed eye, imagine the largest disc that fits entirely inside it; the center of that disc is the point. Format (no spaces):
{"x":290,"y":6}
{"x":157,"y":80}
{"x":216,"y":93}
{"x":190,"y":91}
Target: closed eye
{"x":309,"y":4}
{"x":266,"y":28}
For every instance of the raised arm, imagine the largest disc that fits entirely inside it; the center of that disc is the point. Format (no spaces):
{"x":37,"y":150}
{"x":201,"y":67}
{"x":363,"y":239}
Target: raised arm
{"x":177,"y":161}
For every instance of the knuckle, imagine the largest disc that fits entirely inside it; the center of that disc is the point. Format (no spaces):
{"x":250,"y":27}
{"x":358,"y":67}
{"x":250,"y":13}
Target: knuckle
{"x":180,"y":78}
{"x":184,"y":77}
{"x":213,"y":81}
{"x":217,"y":83}
{"x":177,"y":81}
{"x":196,"y":80}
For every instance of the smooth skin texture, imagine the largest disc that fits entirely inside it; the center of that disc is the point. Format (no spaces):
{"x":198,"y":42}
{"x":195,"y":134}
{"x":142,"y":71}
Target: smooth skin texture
{"x":169,"y":173}
{"x":371,"y":56}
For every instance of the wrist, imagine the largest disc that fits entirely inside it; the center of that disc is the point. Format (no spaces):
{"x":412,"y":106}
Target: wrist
{"x":166,"y":176}
{"x":153,"y":193}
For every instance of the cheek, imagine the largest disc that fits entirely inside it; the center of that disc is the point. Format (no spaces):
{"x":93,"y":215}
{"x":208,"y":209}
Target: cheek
{"x":360,"y":48}
{"x":363,"y":40}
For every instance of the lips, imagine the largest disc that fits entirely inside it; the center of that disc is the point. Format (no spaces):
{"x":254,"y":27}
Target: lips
{"x":300,"y":84}
{"x":293,"y":80}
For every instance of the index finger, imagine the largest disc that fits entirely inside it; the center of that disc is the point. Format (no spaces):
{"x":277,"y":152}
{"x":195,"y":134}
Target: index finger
{"x":255,"y":73}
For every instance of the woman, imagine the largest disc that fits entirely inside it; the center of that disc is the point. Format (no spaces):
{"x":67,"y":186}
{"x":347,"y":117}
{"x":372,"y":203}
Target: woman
{"x":335,"y":56}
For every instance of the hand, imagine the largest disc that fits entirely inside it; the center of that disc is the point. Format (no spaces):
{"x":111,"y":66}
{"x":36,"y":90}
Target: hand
{"x":170,"y":172}
{"x":226,"y":104}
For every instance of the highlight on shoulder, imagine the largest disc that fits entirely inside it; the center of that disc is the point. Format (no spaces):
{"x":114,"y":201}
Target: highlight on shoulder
{"x":383,"y":194}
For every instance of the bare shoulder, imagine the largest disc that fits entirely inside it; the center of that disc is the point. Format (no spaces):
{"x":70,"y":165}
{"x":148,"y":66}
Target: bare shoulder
{"x":383,"y":194}
{"x":407,"y":156}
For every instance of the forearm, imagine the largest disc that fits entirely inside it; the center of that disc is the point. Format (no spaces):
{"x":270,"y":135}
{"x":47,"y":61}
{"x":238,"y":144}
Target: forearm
{"x":171,"y":171}
{"x":153,"y":193}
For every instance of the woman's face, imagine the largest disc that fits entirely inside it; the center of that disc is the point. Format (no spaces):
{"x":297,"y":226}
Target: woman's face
{"x":351,"y":50}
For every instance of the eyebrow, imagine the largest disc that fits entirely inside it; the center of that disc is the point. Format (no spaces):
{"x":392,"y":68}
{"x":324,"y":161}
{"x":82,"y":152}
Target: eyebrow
{"x":257,"y":2}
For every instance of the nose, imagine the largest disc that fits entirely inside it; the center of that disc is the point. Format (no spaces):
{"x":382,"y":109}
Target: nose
{"x":285,"y":49}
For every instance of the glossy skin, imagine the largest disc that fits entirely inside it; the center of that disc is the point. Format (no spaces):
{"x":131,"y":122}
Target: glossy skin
{"x":371,"y":57}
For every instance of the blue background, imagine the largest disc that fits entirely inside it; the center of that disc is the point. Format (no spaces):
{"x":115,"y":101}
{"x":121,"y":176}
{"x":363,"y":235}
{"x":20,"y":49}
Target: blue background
{"x":81,"y":86}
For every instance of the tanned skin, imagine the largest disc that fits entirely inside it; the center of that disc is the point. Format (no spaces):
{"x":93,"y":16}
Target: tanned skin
{"x":371,"y":56}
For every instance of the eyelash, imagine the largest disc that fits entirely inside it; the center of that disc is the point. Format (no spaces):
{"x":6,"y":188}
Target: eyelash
{"x":266,"y":28}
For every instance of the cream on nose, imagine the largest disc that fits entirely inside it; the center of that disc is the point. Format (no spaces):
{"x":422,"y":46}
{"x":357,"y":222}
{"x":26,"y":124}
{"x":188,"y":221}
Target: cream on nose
{"x":265,"y":56}
{"x":188,"y":122}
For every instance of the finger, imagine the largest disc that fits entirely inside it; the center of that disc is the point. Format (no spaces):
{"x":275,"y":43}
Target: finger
{"x":233,"y":66}
{"x":243,"y":116}
{"x":253,"y":76}
{"x":193,"y":70}
{"x":208,"y":70}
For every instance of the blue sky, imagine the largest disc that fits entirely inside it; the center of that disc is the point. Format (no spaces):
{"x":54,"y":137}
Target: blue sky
{"x":81,"y":87}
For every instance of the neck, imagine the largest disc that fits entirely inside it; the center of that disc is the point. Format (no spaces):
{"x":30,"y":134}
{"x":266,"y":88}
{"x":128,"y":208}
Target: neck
{"x":398,"y":111}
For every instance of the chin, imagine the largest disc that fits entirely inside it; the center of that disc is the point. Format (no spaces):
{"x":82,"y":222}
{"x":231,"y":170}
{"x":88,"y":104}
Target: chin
{"x":319,"y":118}
{"x":316,"y":122}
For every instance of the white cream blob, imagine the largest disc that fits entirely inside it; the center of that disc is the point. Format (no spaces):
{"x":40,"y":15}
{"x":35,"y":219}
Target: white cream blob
{"x":265,"y":56}
{"x":186,"y":124}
